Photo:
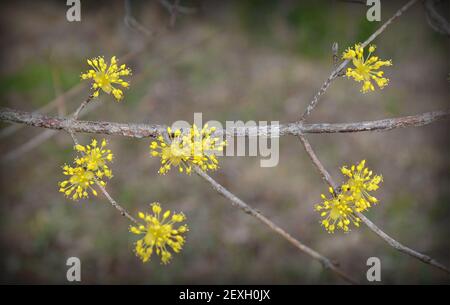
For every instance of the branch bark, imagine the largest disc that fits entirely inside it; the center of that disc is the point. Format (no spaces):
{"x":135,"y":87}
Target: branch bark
{"x":152,"y":130}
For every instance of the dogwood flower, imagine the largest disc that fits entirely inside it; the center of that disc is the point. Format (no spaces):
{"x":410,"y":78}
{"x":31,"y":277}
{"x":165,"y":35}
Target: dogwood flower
{"x":160,"y":233}
{"x":184,"y":150}
{"x":366,"y":69}
{"x":107,"y":77}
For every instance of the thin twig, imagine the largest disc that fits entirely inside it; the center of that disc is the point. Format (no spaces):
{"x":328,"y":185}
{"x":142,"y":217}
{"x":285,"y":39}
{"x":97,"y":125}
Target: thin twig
{"x":81,"y":107}
{"x":135,"y":130}
{"x":334,"y":52}
{"x":395,"y":244}
{"x":335,"y":73}
{"x":114,"y":203}
{"x":237,"y":202}
{"x":323,"y":172}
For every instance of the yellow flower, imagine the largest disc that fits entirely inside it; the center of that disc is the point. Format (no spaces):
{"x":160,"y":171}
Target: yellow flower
{"x":337,"y":212}
{"x":95,"y":157}
{"x":88,"y":168}
{"x":105,"y":77}
{"x":360,"y":182}
{"x":196,"y":147}
{"x":353,"y":196}
{"x":160,"y":234}
{"x":79,"y":182}
{"x":365,"y":69}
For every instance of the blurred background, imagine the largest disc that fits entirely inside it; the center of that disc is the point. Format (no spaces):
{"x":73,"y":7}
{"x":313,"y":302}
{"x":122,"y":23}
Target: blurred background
{"x":230,"y":60}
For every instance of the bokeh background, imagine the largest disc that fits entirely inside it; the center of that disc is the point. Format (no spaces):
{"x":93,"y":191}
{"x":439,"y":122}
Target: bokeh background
{"x":230,"y":60}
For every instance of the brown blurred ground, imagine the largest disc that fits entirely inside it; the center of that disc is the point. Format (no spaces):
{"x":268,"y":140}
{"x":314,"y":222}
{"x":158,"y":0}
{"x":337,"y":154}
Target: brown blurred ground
{"x":239,"y":60}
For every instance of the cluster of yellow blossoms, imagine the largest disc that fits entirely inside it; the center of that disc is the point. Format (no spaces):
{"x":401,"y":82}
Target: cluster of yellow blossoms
{"x":105,"y":76}
{"x":160,"y":234}
{"x":161,"y":231}
{"x":87,"y":168}
{"x":184,"y":150}
{"x":365,"y":69}
{"x":338,"y":211}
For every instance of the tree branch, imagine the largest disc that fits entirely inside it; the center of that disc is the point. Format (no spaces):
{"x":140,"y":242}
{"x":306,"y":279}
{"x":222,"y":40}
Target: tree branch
{"x":152,"y":130}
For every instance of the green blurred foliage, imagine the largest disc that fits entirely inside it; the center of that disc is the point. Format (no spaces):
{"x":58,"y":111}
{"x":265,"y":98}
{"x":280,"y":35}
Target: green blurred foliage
{"x":34,"y":80}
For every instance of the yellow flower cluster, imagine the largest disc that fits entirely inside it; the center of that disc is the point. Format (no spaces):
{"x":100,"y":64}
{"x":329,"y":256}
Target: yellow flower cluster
{"x":90,"y":166}
{"x":183,"y":150}
{"x":365,"y":69}
{"x":105,"y":76}
{"x":338,"y":211}
{"x":160,"y":234}
{"x":360,"y":182}
{"x":79,"y":182}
